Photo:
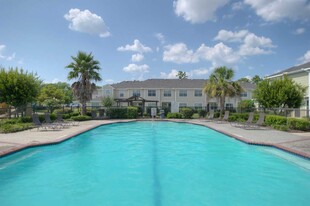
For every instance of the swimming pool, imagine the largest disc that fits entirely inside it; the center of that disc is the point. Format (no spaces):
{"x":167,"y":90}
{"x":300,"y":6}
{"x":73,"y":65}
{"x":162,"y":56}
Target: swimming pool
{"x":152,"y":163}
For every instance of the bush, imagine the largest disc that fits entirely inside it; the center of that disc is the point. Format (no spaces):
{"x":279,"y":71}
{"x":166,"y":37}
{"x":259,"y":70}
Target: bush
{"x":174,"y":115}
{"x":187,"y":113}
{"x":298,"y":124}
{"x":62,"y":111}
{"x":202,"y":113}
{"x":271,"y":120}
{"x":117,"y":113}
{"x":9,"y":128}
{"x":132,"y":112}
{"x":281,"y":127}
{"x":81,"y":118}
{"x":26,"y":119}
{"x":238,"y":117}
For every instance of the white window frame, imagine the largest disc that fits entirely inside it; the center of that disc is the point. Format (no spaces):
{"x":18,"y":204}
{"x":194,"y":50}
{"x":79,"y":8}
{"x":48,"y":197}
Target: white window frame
{"x":136,"y":93}
{"x":167,"y":93}
{"x":182,"y":105}
{"x":198,"y":93}
{"x":151,"y":93}
{"x":182,"y":93}
{"x":198,"y":105}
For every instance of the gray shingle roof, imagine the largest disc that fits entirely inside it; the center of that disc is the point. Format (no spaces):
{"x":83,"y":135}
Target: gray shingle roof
{"x":293,"y":69}
{"x":169,"y":83}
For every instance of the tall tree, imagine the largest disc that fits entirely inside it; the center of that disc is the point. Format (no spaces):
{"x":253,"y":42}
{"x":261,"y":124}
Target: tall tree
{"x":66,"y":89}
{"x":220,"y":85}
{"x":182,"y":75}
{"x":18,"y":88}
{"x":51,"y":96}
{"x":256,"y":79}
{"x":85,"y":69}
{"x":244,"y":79}
{"x":279,"y":93}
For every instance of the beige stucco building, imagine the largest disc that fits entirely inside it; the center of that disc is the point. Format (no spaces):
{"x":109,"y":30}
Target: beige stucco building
{"x":172,"y":93}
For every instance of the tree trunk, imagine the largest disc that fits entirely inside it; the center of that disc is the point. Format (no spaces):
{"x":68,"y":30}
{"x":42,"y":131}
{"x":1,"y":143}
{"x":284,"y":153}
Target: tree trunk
{"x":9,"y":111}
{"x":222,"y":101}
{"x":84,"y":108}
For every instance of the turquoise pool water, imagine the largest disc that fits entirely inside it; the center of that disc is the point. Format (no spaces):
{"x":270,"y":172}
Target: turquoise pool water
{"x":152,"y":163}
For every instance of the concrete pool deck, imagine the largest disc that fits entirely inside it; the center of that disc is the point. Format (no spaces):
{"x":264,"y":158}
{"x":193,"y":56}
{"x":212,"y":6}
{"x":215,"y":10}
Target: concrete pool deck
{"x":297,"y":143}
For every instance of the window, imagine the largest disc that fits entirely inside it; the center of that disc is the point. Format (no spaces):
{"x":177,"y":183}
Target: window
{"x":244,"y":94}
{"x":198,"y":93}
{"x":183,"y":93}
{"x":136,"y":93}
{"x":151,"y":104}
{"x":212,"y":106}
{"x":167,"y":93}
{"x":108,"y":92}
{"x":198,"y":105}
{"x":121,"y":93}
{"x":229,"y":106}
{"x":152,"y":93}
{"x":181,"y":105}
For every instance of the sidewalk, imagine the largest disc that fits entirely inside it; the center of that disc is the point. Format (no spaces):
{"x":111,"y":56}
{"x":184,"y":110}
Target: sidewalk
{"x":297,"y":143}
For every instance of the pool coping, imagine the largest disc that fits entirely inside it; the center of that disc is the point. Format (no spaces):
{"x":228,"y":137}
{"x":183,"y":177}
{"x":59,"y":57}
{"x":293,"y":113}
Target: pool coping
{"x":21,"y":147}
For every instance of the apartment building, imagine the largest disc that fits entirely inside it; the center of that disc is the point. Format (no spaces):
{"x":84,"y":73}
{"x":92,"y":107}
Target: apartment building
{"x":301,"y":75}
{"x":172,"y":93}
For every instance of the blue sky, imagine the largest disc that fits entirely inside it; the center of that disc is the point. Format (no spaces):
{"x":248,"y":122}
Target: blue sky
{"x":142,"y":39}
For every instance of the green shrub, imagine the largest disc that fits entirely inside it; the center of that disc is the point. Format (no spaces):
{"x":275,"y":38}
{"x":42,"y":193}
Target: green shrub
{"x":81,"y":118}
{"x":298,"y":124}
{"x":26,"y":119}
{"x":174,"y":115}
{"x":187,"y":113}
{"x":74,"y":114}
{"x":238,"y":117}
{"x":271,"y":120}
{"x":10,"y":128}
{"x":281,"y":127}
{"x":62,"y":111}
{"x":201,"y":112}
{"x":117,"y":113}
{"x":132,"y":112}
{"x":67,"y":116}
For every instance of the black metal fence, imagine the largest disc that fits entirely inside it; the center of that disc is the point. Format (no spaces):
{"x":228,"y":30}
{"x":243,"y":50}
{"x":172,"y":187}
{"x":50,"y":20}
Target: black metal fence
{"x":27,"y":111}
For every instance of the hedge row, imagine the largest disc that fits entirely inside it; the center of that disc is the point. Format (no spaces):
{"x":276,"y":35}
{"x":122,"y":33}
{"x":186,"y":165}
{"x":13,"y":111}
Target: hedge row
{"x":123,"y":113}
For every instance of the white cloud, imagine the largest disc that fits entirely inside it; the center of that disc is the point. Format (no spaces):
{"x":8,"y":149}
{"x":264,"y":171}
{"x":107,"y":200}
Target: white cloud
{"x":109,"y":81}
{"x":299,"y":31}
{"x":136,"y":47}
{"x":198,"y":72}
{"x":191,"y":74}
{"x":305,"y":58}
{"x":219,"y":55}
{"x":136,"y":68}
{"x":224,"y":35}
{"x":197,"y":11}
{"x":179,"y":53}
{"x":237,"y":6}
{"x":160,"y":37}
{"x":172,"y":75}
{"x":254,"y":45}
{"x":5,"y":57}
{"x":251,"y":44}
{"x":87,"y":22}
{"x":278,"y":10}
{"x":137,"y":57}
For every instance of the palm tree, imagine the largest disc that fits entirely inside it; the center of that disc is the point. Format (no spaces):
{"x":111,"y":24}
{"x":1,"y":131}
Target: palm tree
{"x":85,"y":69}
{"x":181,"y":75}
{"x":220,"y":85}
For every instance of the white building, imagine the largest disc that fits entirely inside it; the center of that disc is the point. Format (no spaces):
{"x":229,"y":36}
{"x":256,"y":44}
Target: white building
{"x":173,"y":93}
